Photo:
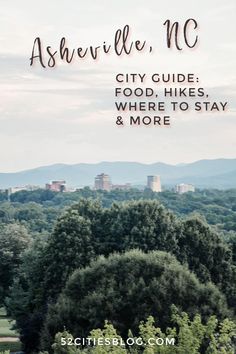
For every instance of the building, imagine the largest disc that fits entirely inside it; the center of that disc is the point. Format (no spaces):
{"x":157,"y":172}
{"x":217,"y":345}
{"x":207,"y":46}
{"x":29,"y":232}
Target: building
{"x":154,"y":183}
{"x":56,"y":186}
{"x":28,"y":188}
{"x":102,"y":182}
{"x":125,"y":186}
{"x":184,"y":188}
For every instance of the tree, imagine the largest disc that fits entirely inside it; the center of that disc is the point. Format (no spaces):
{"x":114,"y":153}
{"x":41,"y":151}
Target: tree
{"x":26,"y":301}
{"x":142,"y":224}
{"x":47,"y":266}
{"x":72,"y":244}
{"x":125,"y":289}
{"x":14,"y":239}
{"x":32,"y":215}
{"x":87,"y":230}
{"x":208,"y":256}
{"x":64,"y":342}
{"x":185,"y":336}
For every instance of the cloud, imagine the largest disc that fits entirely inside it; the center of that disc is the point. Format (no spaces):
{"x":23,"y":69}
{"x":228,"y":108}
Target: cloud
{"x":67,"y":114}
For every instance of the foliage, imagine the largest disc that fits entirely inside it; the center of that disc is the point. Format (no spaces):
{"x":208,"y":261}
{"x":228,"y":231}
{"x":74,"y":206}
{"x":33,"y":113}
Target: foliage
{"x":87,"y":229}
{"x":186,"y":336}
{"x":10,"y":347}
{"x":72,"y":244}
{"x":14,"y":239}
{"x":26,"y":300}
{"x":208,"y":256}
{"x":217,"y":206}
{"x":124,"y":289}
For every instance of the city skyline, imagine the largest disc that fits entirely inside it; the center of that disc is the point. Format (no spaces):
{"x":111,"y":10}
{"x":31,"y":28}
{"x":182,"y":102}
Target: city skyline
{"x":103,"y":182}
{"x":208,"y":173}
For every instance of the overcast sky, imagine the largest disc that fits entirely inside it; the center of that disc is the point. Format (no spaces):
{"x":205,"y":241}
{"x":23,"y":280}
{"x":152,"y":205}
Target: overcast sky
{"x":67,"y":114}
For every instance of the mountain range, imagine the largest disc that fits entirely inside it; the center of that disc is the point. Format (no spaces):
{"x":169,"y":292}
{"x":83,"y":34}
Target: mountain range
{"x":218,"y":173}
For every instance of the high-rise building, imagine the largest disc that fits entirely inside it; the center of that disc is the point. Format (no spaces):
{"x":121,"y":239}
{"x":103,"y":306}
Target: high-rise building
{"x":184,"y":188}
{"x":102,"y":182}
{"x":154,"y":183}
{"x":56,"y":186}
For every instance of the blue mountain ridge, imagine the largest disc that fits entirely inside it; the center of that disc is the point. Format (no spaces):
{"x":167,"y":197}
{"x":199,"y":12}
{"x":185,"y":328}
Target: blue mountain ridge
{"x":217,"y":173}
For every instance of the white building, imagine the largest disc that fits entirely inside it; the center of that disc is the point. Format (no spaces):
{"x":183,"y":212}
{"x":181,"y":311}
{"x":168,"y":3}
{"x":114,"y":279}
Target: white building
{"x":102,"y":182}
{"x":29,"y":188}
{"x":154,"y":183}
{"x":184,"y":188}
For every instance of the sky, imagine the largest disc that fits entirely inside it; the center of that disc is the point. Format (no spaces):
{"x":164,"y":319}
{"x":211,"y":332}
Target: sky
{"x":67,"y":114}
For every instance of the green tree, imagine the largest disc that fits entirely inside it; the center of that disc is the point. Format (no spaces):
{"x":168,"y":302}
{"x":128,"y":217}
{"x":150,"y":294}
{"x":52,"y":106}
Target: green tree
{"x":72,"y":245}
{"x":125,"y":289}
{"x":26,"y":301}
{"x":184,"y":337}
{"x":14,"y":239}
{"x":86,"y":230}
{"x":142,"y":224}
{"x":32,"y":216}
{"x":208,"y":256}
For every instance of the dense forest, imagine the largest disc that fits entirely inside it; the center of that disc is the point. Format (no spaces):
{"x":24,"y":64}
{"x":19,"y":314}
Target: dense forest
{"x":218,"y":207}
{"x":122,"y":263}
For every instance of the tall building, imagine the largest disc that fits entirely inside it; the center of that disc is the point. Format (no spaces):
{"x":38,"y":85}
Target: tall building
{"x":184,"y":188}
{"x":102,"y":182}
{"x":56,"y":186}
{"x":154,"y":183}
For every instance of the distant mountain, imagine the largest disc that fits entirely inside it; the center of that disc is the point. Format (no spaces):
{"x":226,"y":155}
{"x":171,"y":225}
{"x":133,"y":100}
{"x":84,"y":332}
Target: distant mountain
{"x":219,"y":173}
